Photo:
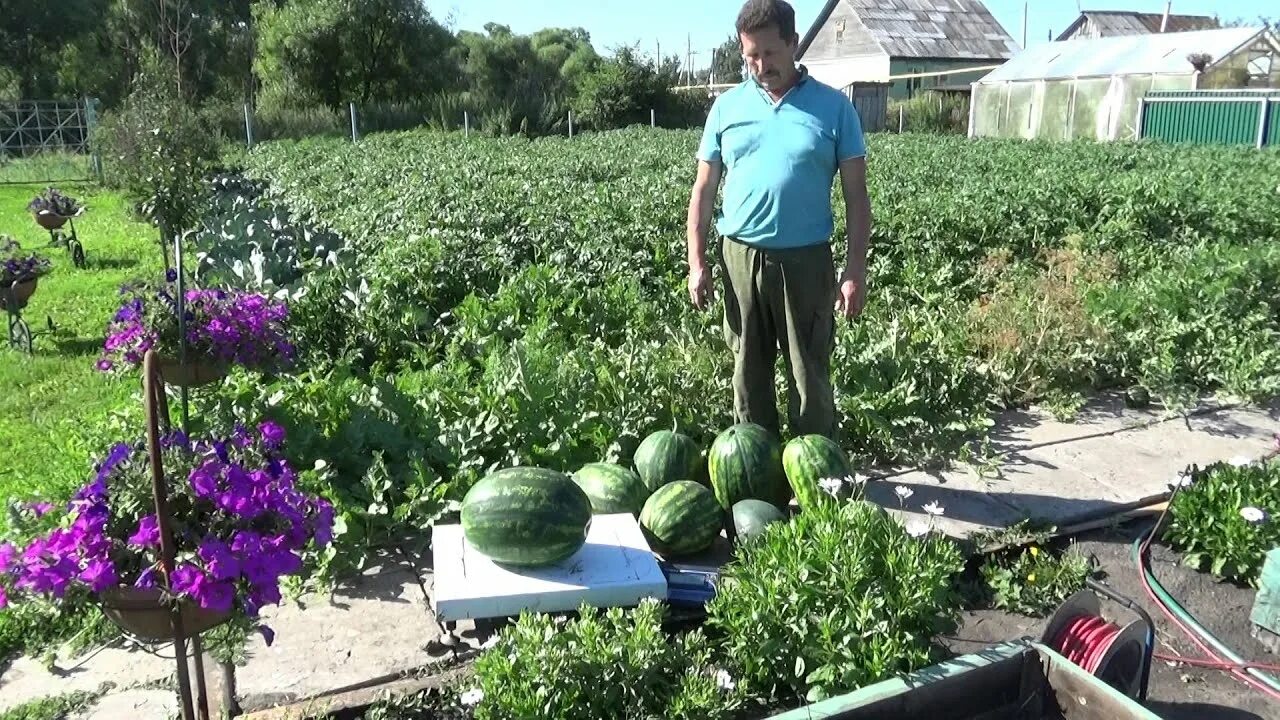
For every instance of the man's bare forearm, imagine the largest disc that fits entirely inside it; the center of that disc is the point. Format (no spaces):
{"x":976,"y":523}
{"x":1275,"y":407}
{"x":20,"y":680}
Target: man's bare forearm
{"x":857,"y":234}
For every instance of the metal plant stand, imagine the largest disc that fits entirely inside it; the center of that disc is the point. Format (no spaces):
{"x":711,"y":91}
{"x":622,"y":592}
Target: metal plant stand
{"x":54,"y":224}
{"x":14,"y":299}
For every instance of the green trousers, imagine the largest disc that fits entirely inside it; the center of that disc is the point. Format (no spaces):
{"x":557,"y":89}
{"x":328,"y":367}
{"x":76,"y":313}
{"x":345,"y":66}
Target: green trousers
{"x":781,"y":301}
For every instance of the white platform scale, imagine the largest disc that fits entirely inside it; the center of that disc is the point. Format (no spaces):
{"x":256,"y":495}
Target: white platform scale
{"x":615,"y":568}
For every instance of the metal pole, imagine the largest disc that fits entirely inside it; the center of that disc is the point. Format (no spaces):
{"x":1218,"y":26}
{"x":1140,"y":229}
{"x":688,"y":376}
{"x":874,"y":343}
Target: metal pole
{"x":902,"y":118}
{"x":354,"y":135}
{"x":570,"y":123}
{"x":466,"y":124}
{"x":151,"y":389}
{"x":181,"y":301}
{"x":248,"y":126}
{"x":1262,"y":122}
{"x":653,"y":118}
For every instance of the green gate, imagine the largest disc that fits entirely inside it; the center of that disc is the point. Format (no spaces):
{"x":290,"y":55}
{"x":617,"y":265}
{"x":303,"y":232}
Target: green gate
{"x":1229,"y":117}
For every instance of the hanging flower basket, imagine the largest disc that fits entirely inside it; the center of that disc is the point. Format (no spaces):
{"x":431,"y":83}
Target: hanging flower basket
{"x":142,"y":612}
{"x":52,"y":209}
{"x":192,"y":374}
{"x":221,"y":329}
{"x":50,"y":221}
{"x":22,"y":293}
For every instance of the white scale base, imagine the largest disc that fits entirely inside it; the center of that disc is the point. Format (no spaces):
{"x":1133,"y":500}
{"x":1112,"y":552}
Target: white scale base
{"x":615,"y":568}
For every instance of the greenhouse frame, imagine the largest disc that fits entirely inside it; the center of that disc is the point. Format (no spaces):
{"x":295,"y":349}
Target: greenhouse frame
{"x":1094,"y":89}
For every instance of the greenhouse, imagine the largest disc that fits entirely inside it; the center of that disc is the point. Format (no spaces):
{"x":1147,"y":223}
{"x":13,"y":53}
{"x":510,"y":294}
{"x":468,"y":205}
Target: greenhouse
{"x":1094,"y":88}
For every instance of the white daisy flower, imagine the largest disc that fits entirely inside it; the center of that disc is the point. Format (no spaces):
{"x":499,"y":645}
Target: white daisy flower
{"x":493,"y":640}
{"x":831,"y":486}
{"x":1181,"y":481}
{"x":903,"y":492}
{"x":472,"y":696}
{"x":933,"y":508}
{"x":917,"y":528}
{"x":724,"y":681}
{"x":1252,"y":515}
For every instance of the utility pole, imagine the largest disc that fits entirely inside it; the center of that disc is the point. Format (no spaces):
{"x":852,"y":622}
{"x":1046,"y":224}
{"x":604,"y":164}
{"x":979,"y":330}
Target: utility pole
{"x":1164,"y":22}
{"x":1025,"y":7}
{"x":689,"y":56}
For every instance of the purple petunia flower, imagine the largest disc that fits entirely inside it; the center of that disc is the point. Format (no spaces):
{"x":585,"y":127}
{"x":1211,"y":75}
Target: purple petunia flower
{"x":218,"y":560}
{"x":272,"y":434}
{"x":99,"y":575}
{"x":147,"y":534}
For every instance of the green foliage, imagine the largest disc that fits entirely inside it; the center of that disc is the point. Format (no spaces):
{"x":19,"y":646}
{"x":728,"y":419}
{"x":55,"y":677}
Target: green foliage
{"x":930,"y":112}
{"x":1225,"y":518}
{"x":55,"y":707}
{"x":610,"y":663}
{"x":838,"y":598}
{"x":1034,"y":581}
{"x":331,"y":52}
{"x":623,"y":89}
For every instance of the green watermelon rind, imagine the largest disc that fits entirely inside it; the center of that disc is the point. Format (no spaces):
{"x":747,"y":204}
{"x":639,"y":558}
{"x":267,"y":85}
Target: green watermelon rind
{"x":806,"y":460}
{"x":611,"y":488}
{"x":664,"y":457}
{"x":681,"y":518}
{"x":526,"y":516}
{"x":729,"y":463}
{"x":751,"y":517}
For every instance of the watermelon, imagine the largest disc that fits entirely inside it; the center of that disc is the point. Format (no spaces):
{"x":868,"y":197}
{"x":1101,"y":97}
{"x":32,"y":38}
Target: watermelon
{"x":526,"y":516}
{"x":750,"y":517}
{"x":612,"y":488}
{"x":665,"y":457}
{"x":746,"y":462}
{"x":807,"y":460}
{"x":681,"y":518}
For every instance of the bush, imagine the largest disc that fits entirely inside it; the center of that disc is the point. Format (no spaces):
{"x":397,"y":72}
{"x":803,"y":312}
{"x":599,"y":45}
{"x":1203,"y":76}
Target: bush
{"x":159,"y":151}
{"x":1034,"y":581}
{"x":1226,"y":518}
{"x":610,"y":664}
{"x":930,"y":112}
{"x":840,"y":597}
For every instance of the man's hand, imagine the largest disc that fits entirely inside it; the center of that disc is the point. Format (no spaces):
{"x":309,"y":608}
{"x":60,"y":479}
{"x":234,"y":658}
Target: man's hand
{"x":851,"y":294}
{"x":699,"y":286}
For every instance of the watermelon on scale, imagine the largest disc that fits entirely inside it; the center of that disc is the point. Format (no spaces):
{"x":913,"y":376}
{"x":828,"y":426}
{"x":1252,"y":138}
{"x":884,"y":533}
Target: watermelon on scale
{"x":807,"y":460}
{"x":665,"y":457}
{"x":612,"y":488}
{"x":526,"y":516}
{"x":746,"y":462}
{"x":681,"y":518}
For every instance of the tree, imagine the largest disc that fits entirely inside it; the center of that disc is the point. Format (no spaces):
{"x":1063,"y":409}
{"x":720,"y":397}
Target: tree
{"x":726,"y":64}
{"x":33,"y":34}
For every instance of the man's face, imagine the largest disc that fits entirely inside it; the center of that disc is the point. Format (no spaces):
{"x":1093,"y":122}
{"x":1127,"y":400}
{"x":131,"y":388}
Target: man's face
{"x":770,"y":58}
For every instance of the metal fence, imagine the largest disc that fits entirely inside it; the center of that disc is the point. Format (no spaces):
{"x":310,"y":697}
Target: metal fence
{"x":1227,"y":117}
{"x":48,"y":141}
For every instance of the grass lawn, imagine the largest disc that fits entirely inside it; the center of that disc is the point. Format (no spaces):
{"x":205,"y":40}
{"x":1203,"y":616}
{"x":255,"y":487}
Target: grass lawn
{"x":54,"y":398}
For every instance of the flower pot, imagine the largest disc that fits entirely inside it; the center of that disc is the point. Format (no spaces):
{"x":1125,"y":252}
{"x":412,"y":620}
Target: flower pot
{"x":22,"y":292}
{"x":142,"y":612}
{"x":50,"y":221}
{"x":194,"y":373}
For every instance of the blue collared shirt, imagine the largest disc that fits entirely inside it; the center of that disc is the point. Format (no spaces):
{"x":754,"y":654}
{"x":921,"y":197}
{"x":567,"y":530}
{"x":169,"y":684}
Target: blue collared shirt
{"x":780,"y":160}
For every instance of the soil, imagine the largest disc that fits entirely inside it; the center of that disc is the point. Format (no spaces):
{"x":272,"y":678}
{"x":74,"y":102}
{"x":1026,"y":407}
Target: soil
{"x":1175,"y":692}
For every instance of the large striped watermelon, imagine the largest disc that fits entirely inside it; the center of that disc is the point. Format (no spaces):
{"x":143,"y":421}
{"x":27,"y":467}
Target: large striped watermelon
{"x":746,"y":462}
{"x":750,"y":517}
{"x":681,"y":518}
{"x":665,"y":457}
{"x":612,"y":488}
{"x":807,"y":460}
{"x":526,"y":516}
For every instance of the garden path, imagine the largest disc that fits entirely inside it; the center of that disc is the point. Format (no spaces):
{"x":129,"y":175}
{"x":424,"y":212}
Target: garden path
{"x":1111,"y":460}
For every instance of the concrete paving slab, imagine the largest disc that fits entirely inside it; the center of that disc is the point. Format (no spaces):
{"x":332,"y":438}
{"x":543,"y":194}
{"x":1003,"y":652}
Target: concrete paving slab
{"x":135,"y":705}
{"x":27,"y":679}
{"x":1052,"y":484}
{"x":1173,"y":447}
{"x":967,"y":502}
{"x":377,"y":625}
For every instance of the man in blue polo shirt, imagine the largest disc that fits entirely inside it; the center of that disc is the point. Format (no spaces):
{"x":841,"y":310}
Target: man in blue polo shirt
{"x":778,"y":140}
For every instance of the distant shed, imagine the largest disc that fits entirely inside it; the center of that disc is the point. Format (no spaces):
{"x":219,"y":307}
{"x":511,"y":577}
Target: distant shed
{"x":1094,"y":88}
{"x":1115,"y":23}
{"x":863,"y":46}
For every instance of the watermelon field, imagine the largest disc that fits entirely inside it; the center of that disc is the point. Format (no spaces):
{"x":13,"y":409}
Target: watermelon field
{"x":459,"y":305}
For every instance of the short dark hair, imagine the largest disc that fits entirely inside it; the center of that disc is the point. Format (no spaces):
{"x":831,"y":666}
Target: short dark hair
{"x":757,"y":15}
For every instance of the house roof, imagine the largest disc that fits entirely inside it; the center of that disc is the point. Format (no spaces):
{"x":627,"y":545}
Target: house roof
{"x":1111,"y":23}
{"x":1159,"y":54}
{"x":926,"y":28}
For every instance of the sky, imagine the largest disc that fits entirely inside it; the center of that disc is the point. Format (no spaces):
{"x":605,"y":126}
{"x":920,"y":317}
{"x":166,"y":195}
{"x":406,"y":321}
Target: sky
{"x":674,"y":24}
